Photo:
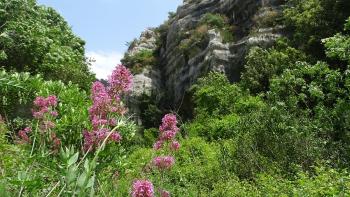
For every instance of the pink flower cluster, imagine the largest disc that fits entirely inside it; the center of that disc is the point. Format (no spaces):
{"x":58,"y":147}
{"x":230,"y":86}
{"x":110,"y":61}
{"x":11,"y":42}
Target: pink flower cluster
{"x":164,"y":162}
{"x":167,"y":132}
{"x":95,"y":138}
{"x":164,"y":193}
{"x":120,"y":81}
{"x":44,"y":107}
{"x":56,"y":142}
{"x":142,"y":188}
{"x":44,"y":112}
{"x":106,"y":104}
{"x":23,"y":134}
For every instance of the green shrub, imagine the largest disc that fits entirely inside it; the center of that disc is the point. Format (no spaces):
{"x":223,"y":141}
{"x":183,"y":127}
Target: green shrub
{"x":273,"y":138}
{"x":196,"y":42}
{"x":308,"y":87}
{"x":325,"y":182}
{"x":214,"y":20}
{"x":220,"y":23}
{"x":150,"y":113}
{"x":18,"y":91}
{"x":218,"y":105}
{"x":214,"y":95}
{"x":263,"y":64}
{"x":43,"y":43}
{"x":314,"y":20}
{"x":140,"y":60}
{"x":337,"y":47}
{"x":214,"y":128}
{"x":234,"y":187}
{"x":196,"y":164}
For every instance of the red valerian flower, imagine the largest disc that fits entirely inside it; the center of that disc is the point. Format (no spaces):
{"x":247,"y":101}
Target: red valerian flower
{"x":120,"y":81}
{"x":23,"y":134}
{"x":167,"y":133}
{"x":164,"y":162}
{"x":164,"y":193}
{"x":158,"y":145}
{"x":142,"y":188}
{"x":106,"y":104}
{"x":174,"y":145}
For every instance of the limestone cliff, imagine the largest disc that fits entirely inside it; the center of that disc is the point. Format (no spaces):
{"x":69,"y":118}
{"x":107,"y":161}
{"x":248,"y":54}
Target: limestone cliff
{"x":185,"y":48}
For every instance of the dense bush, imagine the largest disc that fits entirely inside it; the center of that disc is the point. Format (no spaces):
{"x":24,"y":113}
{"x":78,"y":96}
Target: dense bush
{"x":314,"y":20}
{"x":263,"y":64}
{"x":18,"y":91}
{"x":326,"y":182}
{"x":214,"y":95}
{"x":214,"y":20}
{"x":224,"y":111}
{"x":337,"y":47}
{"x":220,"y":23}
{"x":308,"y":87}
{"x":150,"y":113}
{"x":195,"y":42}
{"x":140,"y":60}
{"x":38,"y":40}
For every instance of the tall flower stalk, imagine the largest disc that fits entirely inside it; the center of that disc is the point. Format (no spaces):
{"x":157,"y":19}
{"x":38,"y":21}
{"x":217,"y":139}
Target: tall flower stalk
{"x":107,"y":107}
{"x":166,"y":145}
{"x":105,"y":117}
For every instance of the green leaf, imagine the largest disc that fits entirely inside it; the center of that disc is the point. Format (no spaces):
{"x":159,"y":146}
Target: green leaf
{"x":86,"y":165}
{"x":91,"y":182}
{"x":73,"y":159}
{"x":82,"y":179}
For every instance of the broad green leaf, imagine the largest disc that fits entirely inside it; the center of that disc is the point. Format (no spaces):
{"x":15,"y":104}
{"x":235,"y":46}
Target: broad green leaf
{"x":73,"y":159}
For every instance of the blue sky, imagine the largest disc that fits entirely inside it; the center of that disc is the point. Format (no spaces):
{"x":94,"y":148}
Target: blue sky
{"x":106,"y":25}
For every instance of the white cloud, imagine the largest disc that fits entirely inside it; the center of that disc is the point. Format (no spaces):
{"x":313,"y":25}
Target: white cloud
{"x":104,"y":62}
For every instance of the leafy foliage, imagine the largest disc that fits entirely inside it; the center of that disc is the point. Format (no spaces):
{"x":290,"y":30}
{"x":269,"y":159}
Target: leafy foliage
{"x":138,"y":61}
{"x":263,"y":64}
{"x":326,"y":182}
{"x":214,"y":20}
{"x":17,"y":97}
{"x":338,"y":45}
{"x":315,"y":20}
{"x":38,"y":40}
{"x":220,"y":23}
{"x":197,"y":40}
{"x":193,"y":42}
{"x":214,"y":95}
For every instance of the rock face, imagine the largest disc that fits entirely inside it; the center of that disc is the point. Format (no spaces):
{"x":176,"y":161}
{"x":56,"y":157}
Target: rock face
{"x":148,"y":81}
{"x":147,"y":41}
{"x":176,"y":72}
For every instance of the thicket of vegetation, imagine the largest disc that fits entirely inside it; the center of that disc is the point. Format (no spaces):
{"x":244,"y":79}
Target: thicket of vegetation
{"x":38,"y":40}
{"x":283,"y":130}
